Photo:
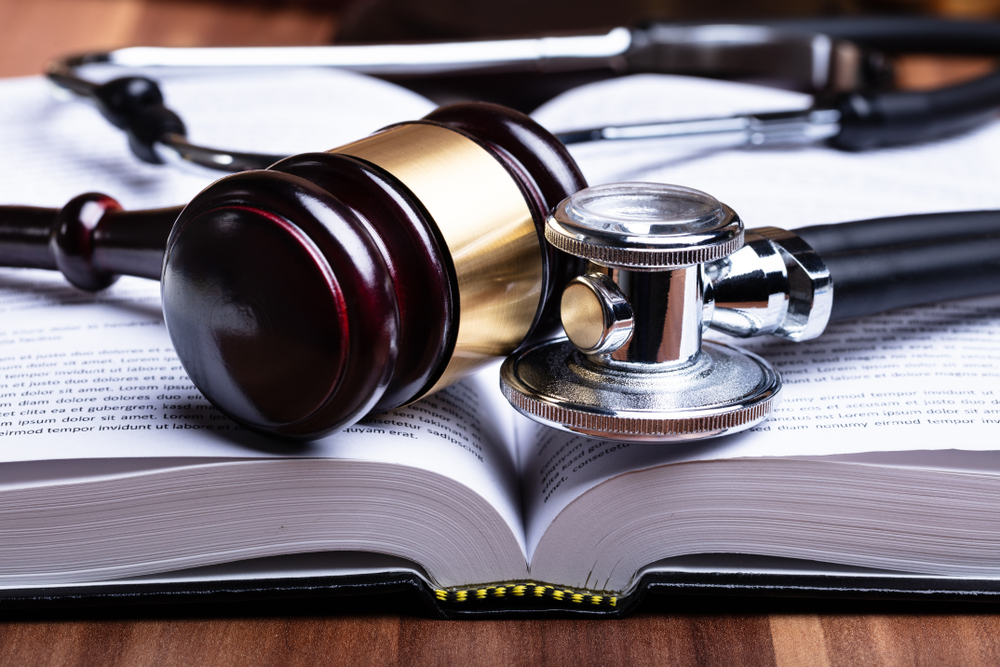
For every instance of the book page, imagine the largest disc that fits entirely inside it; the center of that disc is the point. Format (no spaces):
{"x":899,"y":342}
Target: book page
{"x":781,"y":186}
{"x":913,"y":379}
{"x":87,"y":376}
{"x":56,"y":147}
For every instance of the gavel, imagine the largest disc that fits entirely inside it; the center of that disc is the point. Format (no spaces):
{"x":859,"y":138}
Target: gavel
{"x":301,"y":297}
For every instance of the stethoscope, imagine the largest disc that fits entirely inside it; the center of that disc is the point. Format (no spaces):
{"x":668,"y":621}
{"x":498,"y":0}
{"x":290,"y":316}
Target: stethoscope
{"x":303,"y":296}
{"x":827,"y":57}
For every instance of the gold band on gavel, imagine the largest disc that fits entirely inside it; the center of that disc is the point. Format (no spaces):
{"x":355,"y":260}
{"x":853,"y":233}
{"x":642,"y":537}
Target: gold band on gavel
{"x":487,"y":227}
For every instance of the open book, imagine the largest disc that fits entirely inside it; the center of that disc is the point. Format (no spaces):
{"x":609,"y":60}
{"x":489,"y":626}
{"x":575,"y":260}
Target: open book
{"x":883,"y":460}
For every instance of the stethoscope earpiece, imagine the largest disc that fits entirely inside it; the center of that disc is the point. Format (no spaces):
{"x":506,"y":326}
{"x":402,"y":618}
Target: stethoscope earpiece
{"x":633,"y":365}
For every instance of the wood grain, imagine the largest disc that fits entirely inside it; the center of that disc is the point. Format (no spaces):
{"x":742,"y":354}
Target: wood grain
{"x":660,"y":640}
{"x":664,"y":639}
{"x":919,"y":72}
{"x":31,"y":33}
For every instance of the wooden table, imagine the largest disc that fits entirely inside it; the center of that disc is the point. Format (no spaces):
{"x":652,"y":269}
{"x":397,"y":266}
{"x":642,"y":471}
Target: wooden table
{"x":674,"y":632}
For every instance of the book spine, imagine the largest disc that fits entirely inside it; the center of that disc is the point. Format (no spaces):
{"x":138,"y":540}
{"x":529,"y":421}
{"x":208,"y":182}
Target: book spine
{"x":517,"y":594}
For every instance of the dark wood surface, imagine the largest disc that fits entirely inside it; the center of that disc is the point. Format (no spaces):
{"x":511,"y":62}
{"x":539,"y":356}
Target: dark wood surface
{"x":664,"y":639}
{"x":712,"y":634}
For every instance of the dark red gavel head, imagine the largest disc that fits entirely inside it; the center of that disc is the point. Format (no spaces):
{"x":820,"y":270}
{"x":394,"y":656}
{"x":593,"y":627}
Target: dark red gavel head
{"x":332,"y":284}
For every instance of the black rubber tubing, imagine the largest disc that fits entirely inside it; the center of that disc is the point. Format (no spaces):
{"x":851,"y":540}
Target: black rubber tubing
{"x":913,"y":34}
{"x":900,"y":230}
{"x":871,"y":281}
{"x":895,"y":118}
{"x":871,"y":119}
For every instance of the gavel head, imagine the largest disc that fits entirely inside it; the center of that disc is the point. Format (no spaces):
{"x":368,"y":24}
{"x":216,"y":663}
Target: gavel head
{"x":301,"y":297}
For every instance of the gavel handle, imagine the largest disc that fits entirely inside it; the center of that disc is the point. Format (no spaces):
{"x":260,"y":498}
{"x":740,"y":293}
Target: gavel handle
{"x":91,"y":240}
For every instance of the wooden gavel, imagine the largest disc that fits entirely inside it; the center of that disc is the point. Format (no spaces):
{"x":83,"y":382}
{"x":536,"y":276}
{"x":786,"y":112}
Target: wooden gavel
{"x":301,"y":297}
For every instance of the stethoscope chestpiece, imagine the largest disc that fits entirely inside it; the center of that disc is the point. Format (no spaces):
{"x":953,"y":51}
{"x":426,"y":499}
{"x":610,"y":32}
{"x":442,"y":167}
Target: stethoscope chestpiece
{"x":633,"y":365}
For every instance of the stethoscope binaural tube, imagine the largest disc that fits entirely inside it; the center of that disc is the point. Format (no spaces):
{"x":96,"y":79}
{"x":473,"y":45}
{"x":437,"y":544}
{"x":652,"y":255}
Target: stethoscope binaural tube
{"x":856,"y":119}
{"x":859,"y":119}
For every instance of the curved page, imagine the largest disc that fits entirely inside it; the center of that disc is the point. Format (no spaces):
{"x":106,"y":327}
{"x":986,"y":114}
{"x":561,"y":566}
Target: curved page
{"x":912,"y":379}
{"x":93,"y":399}
{"x":931,"y":522}
{"x":194,"y":515}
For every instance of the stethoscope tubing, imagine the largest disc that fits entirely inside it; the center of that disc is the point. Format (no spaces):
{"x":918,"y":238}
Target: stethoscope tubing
{"x":858,"y":120}
{"x":849,"y":237}
{"x":914,"y":34}
{"x":876,"y":264}
{"x":888,"y":263}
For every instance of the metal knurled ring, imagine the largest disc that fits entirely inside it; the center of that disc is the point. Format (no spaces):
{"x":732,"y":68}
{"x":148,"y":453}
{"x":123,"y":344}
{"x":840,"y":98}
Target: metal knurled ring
{"x":643,"y":258}
{"x":580,"y":420}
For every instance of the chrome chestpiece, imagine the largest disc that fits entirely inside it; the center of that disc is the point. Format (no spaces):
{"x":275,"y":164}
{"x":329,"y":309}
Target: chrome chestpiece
{"x":666,"y":262}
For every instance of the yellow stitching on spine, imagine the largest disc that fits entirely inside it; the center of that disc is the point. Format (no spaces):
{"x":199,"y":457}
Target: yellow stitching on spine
{"x":522,"y":589}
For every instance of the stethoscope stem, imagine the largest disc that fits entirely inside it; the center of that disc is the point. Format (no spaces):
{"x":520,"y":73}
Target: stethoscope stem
{"x":569,"y":52}
{"x":781,"y":128}
{"x":174,"y":149}
{"x":786,"y":127}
